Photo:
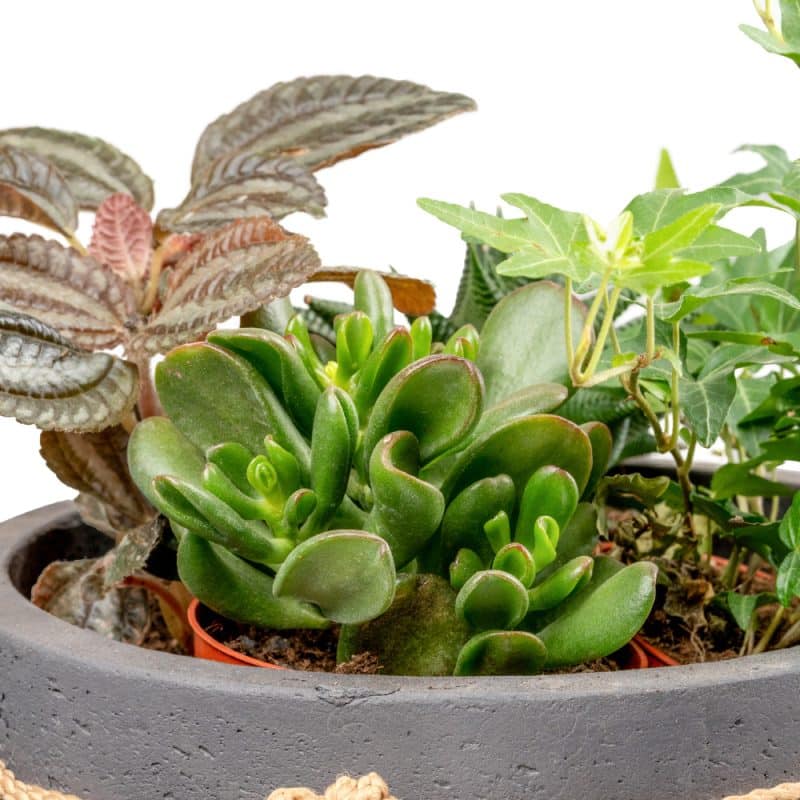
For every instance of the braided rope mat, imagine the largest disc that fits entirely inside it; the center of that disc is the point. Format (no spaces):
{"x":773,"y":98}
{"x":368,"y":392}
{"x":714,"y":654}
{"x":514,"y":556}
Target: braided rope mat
{"x":368,"y":787}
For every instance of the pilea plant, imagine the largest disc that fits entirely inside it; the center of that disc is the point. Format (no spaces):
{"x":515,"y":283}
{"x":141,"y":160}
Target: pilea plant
{"x":145,"y":286}
{"x":310,"y":477}
{"x":711,"y":356}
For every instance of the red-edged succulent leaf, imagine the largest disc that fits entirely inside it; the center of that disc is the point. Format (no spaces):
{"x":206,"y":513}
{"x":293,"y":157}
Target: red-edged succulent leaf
{"x":122,"y":237}
{"x":246,"y":185}
{"x":46,"y":381}
{"x":323,"y":119}
{"x":74,"y":294}
{"x":410,"y":295}
{"x":230,"y":272}
{"x":96,"y":464}
{"x":33,"y":189}
{"x":92,"y":168}
{"x":75,"y":591}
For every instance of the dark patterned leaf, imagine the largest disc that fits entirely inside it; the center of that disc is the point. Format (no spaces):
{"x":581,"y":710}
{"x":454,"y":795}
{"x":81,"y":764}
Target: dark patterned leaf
{"x":96,"y":464}
{"x":246,"y":185}
{"x":75,"y":592}
{"x":74,"y":294}
{"x":324,"y":119}
{"x":410,"y":295}
{"x":131,"y":554}
{"x":46,"y":381}
{"x":33,"y":189}
{"x":122,"y":237}
{"x":230,"y":272}
{"x":93,"y":168}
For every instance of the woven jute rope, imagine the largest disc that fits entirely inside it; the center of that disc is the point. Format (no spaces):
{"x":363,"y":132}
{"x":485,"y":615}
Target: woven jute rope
{"x":368,"y":787}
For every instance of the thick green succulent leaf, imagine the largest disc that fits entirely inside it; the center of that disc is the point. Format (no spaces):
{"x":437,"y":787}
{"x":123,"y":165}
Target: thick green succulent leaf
{"x":196,"y":384}
{"x":517,"y":560}
{"x":492,"y":600}
{"x":438,"y":399}
{"x":550,"y":491}
{"x":245,"y":185}
{"x":92,"y":306}
{"x":373,"y":297}
{"x":92,"y":168}
{"x":602,"y":448}
{"x":48,"y":382}
{"x":279,"y":363}
{"x":601,"y":619}
{"x":515,"y":353}
{"x":501,"y":653}
{"x":324,"y":119}
{"x":96,"y":464}
{"x":406,"y":511}
{"x":393,"y":355}
{"x":33,"y":189}
{"x":560,"y":584}
{"x":420,"y":634}
{"x":348,"y":575}
{"x":466,"y":514}
{"x":538,"y":399}
{"x":577,"y":538}
{"x":156,"y":447}
{"x":233,"y":270}
{"x":517,"y":449}
{"x":238,"y":590}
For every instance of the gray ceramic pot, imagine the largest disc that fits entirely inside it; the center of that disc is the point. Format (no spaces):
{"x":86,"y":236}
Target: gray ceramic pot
{"x":113,"y":722}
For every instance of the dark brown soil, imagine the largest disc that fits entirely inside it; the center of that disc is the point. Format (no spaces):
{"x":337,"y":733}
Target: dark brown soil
{"x":158,"y":636}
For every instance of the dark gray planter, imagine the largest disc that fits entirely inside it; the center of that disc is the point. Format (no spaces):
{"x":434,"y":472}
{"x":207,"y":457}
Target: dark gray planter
{"x":113,"y":722}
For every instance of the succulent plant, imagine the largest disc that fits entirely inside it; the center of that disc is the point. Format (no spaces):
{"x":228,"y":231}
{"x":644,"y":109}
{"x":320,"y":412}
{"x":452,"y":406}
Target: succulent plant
{"x":309,"y":486}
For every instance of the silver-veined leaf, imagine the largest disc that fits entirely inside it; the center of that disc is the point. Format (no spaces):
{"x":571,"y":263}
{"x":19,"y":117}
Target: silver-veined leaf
{"x":32,"y":188}
{"x":122,"y":237}
{"x":96,"y":464}
{"x":706,"y":402}
{"x":324,"y":119}
{"x":92,"y":167}
{"x":230,"y":272}
{"x":246,"y":185}
{"x":74,"y":294}
{"x":48,"y":382}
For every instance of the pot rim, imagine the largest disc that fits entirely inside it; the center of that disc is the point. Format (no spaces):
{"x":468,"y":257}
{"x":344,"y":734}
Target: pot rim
{"x":33,"y":630}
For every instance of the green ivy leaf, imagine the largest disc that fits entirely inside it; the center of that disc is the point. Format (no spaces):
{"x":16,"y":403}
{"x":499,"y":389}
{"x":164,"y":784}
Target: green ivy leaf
{"x":706,"y":403}
{"x":743,"y":606}
{"x":787,"y":582}
{"x":666,"y":178}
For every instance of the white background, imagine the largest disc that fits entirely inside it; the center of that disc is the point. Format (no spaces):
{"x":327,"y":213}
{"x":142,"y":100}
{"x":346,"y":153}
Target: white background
{"x":575,"y":100}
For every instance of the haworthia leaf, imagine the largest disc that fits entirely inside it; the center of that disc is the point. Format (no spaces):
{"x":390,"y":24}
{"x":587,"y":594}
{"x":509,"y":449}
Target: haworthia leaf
{"x":88,"y":304}
{"x":246,"y":185}
{"x":122,"y":237}
{"x":234,"y":270}
{"x":32,"y":188}
{"x":324,"y":119}
{"x":46,"y":381}
{"x":92,"y":168}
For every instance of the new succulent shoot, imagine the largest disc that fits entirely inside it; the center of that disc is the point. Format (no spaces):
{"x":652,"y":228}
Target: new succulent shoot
{"x":309,"y":485}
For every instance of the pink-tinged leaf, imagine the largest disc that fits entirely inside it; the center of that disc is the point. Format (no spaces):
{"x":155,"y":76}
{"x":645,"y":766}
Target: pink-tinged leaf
{"x":92,"y":306}
{"x":122,"y":237}
{"x":230,"y":272}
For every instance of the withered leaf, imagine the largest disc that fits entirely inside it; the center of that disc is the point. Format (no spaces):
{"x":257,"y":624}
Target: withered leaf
{"x":92,"y":167}
{"x":74,"y":294}
{"x":96,"y":464}
{"x":323,"y":119}
{"x":246,"y":185}
{"x":46,"y":381}
{"x":133,"y":550}
{"x":122,"y":237}
{"x":230,"y":272}
{"x":75,"y":592}
{"x":32,"y":188}
{"x":410,"y":295}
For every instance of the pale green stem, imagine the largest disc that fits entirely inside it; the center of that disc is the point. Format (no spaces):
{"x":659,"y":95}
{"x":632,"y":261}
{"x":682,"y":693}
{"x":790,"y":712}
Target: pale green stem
{"x":75,"y":244}
{"x":774,"y":623}
{"x":588,"y":326}
{"x":675,"y":400}
{"x":768,"y":19}
{"x":568,"y":320}
{"x":608,"y":321}
{"x":651,"y":329}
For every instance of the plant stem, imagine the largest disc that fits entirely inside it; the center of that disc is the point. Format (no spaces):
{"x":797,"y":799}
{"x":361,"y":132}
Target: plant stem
{"x":148,"y":403}
{"x":770,"y":631}
{"x":608,"y":321}
{"x":790,"y":638}
{"x":568,"y":320}
{"x":651,"y":329}
{"x":732,"y":569}
{"x":76,"y":245}
{"x":151,"y":290}
{"x":675,"y":399}
{"x":768,"y":19}
{"x":585,"y":342}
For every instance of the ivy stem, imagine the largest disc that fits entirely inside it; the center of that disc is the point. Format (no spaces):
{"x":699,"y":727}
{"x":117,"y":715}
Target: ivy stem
{"x":768,"y":19}
{"x":731,"y":572}
{"x":568,"y":320}
{"x":608,"y":321}
{"x":651,"y":329}
{"x":675,"y":399}
{"x":774,"y":623}
{"x":585,"y":342}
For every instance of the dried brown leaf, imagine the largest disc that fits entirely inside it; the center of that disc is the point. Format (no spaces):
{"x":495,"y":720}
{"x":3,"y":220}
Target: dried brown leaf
{"x":74,"y":294}
{"x":410,"y":295}
{"x":93,"y":168}
{"x":122,"y":237}
{"x":230,"y":272}
{"x":32,"y":188}
{"x":46,"y":381}
{"x":133,"y":550}
{"x":246,"y":185}
{"x":96,"y":464}
{"x":323,"y":119}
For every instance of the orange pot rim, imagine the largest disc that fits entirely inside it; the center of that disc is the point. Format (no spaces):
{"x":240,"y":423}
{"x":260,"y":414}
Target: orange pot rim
{"x":199,"y":632}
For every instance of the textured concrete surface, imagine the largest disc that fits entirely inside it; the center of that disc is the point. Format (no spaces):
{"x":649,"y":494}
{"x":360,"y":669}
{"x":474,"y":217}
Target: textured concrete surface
{"x":113,"y":722}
